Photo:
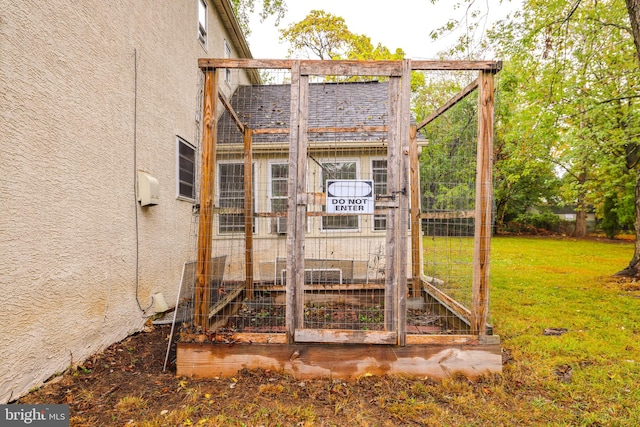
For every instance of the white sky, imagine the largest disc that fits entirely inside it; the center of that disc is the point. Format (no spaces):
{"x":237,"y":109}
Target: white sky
{"x":404,"y":24}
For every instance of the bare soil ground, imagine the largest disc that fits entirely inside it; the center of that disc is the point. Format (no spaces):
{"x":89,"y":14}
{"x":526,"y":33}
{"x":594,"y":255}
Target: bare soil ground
{"x":125,"y":385}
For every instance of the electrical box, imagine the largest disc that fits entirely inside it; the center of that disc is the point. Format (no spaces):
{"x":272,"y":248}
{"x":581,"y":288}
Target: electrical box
{"x":148,"y":189}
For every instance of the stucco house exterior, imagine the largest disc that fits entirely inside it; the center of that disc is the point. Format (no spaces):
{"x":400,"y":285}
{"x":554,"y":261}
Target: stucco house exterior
{"x":100,"y":127}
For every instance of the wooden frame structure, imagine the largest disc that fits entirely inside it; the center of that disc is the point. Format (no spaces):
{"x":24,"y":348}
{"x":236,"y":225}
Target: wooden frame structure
{"x":471,"y":354}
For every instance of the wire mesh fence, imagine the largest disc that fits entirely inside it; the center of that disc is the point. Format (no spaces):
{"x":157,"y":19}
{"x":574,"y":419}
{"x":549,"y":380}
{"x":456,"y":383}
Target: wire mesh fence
{"x":347,"y":246}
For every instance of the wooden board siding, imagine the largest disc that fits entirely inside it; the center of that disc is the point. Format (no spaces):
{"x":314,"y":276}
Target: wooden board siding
{"x":345,"y":361}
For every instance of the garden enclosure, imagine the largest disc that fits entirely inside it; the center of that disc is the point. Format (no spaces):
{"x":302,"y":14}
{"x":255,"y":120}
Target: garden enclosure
{"x":336,"y":234}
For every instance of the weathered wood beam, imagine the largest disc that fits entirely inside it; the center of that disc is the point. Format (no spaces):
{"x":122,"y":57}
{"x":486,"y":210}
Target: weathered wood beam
{"x":348,"y":67}
{"x":205,"y":222}
{"x":231,"y":111}
{"x":345,"y":361}
{"x":248,"y":212}
{"x":354,"y":129}
{"x":342,"y":336}
{"x":416,"y":226}
{"x":450,"y":103}
{"x":483,"y":207}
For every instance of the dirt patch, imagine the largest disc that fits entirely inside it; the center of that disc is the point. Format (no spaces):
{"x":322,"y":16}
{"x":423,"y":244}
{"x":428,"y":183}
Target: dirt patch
{"x":125,"y":385}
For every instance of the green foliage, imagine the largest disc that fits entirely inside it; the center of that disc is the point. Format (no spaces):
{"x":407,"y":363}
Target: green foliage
{"x":609,"y":223}
{"x":540,"y":220}
{"x":244,"y":8}
{"x":326,"y":36}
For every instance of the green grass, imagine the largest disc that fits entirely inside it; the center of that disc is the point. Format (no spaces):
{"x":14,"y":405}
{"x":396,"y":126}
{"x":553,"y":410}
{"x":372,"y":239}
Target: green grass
{"x":543,"y":283}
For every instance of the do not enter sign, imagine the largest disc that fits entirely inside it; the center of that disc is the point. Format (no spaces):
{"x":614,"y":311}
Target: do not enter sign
{"x":350,"y":196}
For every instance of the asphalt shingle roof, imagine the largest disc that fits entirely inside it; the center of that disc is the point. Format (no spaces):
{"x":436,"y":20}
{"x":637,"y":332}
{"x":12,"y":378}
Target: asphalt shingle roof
{"x":347,"y":104}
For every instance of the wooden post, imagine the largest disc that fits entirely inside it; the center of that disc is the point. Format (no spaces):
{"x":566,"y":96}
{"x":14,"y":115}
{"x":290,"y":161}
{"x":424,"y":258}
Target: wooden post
{"x":393,"y":187}
{"x":296,"y":186}
{"x":248,"y":212}
{"x":205,"y":222}
{"x":404,"y":121}
{"x":416,"y":226}
{"x":484,"y":205}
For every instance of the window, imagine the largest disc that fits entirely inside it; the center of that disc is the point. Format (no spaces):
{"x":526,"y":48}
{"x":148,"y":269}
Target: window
{"x":339,"y":170}
{"x":379,"y":175}
{"x":231,"y":199}
{"x":227,"y":54}
{"x":186,"y":169}
{"x":202,"y":22}
{"x":279,"y":173}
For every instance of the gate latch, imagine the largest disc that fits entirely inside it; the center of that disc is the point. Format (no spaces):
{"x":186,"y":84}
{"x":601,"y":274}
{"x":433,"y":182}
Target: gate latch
{"x":391,"y":196}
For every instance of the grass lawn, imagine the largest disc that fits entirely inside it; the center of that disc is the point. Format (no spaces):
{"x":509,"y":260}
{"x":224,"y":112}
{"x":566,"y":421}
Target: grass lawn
{"x":588,"y":376}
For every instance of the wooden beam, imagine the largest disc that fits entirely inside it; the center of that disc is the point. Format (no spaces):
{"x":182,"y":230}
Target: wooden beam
{"x":205,"y":222}
{"x":343,"y":336}
{"x":416,"y":226}
{"x":300,"y":204}
{"x":483,"y":210}
{"x":293,"y":252}
{"x":393,"y":186}
{"x":231,"y":111}
{"x":248,"y":212}
{"x":450,"y":103}
{"x":347,"y":67}
{"x":344,"y":361}
{"x":403,"y":198}
{"x":353,"y":129}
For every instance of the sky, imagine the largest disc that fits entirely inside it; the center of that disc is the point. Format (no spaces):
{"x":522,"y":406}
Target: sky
{"x":406,"y":26}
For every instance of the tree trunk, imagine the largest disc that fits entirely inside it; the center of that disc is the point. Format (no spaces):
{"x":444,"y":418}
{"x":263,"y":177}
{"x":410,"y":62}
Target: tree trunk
{"x":581,"y":208}
{"x":633,"y":270}
{"x":633,"y":7}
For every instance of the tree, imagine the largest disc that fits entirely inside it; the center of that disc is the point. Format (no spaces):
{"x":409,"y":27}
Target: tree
{"x":320,"y":34}
{"x":244,"y":8}
{"x":633,"y":269}
{"x":326,"y":36}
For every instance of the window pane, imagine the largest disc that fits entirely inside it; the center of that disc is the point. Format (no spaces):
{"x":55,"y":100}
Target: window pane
{"x":231,"y":196}
{"x":186,"y":170}
{"x":379,"y":172}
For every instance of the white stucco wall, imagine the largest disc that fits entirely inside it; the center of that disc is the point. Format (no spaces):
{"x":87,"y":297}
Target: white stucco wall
{"x":74,"y":131}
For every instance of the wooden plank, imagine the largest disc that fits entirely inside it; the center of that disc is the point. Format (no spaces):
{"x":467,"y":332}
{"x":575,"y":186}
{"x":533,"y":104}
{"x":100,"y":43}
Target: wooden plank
{"x":230,"y":296}
{"x":344,"y":361}
{"x":393,"y":185}
{"x":444,"y":299}
{"x":259,"y":338}
{"x":416,"y":225}
{"x":300,"y":205}
{"x":231,"y":111}
{"x":353,"y":129}
{"x":403,"y":199}
{"x":248,"y":212}
{"x":347,"y":67}
{"x":292,"y":186}
{"x":205,"y":222}
{"x":484,"y":188}
{"x":456,"y":65}
{"x":450,"y":103}
{"x":442,"y":339}
{"x":448,"y":215}
{"x":344,"y":336}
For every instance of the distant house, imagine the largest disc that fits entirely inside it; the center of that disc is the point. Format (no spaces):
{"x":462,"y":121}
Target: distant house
{"x":336,"y":152}
{"x":100,"y":127}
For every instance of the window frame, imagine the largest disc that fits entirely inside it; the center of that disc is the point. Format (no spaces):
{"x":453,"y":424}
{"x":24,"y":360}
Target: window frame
{"x":203,"y":12}
{"x":219,"y":175}
{"x":180,"y":142}
{"x":376,"y":186}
